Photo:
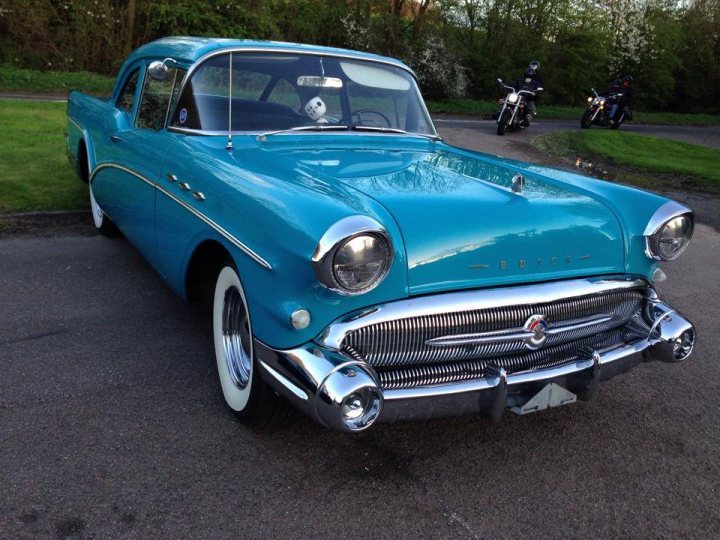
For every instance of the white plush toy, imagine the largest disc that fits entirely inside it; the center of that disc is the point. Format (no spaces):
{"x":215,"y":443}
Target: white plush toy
{"x":316,"y":109}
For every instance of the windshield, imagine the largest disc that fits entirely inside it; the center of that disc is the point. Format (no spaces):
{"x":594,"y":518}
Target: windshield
{"x":272,"y":91}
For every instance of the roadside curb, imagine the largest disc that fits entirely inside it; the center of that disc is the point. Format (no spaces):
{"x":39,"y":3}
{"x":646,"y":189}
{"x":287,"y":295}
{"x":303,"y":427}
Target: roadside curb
{"x":44,"y":222}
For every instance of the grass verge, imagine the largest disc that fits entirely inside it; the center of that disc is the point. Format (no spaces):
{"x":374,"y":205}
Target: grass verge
{"x":476,"y":107}
{"x":14,"y":79}
{"x":639,"y":152}
{"x":34,"y":171}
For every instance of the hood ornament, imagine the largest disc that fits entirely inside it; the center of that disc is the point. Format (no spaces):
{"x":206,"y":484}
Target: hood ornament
{"x":518,"y":183}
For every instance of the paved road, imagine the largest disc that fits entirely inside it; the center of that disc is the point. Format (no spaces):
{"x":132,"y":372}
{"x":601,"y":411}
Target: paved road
{"x":112,"y":424}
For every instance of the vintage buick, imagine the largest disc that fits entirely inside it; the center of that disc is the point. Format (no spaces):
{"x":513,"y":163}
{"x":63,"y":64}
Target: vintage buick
{"x":357,"y":267}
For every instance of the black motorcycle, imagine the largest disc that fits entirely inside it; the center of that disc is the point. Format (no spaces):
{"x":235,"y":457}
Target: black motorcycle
{"x":514,"y":112}
{"x":598,"y":111}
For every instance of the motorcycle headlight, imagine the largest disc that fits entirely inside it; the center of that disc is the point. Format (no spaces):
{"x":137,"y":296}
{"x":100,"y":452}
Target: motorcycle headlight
{"x":590,"y":100}
{"x":353,"y":256}
{"x":669,"y":232}
{"x":512,"y":98}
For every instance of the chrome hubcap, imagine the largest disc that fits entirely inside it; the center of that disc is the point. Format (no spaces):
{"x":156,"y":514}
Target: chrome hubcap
{"x":236,"y":338}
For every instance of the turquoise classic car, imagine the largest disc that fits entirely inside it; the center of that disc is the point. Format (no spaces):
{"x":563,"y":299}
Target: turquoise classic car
{"x":357,"y":267}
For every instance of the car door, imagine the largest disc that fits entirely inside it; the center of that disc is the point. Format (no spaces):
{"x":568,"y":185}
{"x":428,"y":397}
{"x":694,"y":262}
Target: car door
{"x":133,"y":154}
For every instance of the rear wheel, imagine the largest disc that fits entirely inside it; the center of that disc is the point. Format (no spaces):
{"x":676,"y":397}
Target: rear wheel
{"x":502,"y":122}
{"x":586,"y":120}
{"x":252,"y":400}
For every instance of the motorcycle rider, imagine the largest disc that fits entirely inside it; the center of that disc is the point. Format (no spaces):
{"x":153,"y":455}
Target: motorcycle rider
{"x":529,"y":82}
{"x":535,"y":66}
{"x":628,"y":96}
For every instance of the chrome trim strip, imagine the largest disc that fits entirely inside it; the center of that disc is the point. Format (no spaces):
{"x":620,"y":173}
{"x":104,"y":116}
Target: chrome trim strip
{"x":436,"y":304}
{"x":227,"y":50}
{"x":664,"y":214}
{"x":285,"y":381}
{"x":232,"y":239}
{"x":74,"y":122}
{"x":514,"y":334}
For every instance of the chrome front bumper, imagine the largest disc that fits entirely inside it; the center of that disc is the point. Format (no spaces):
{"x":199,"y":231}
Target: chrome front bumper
{"x":319,"y":380}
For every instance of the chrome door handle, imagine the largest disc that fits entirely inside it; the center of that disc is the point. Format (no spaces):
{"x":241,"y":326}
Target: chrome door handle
{"x":116,"y":138}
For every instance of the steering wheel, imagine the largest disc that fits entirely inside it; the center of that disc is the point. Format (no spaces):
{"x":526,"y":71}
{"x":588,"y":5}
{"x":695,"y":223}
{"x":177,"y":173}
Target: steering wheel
{"x":371,"y":111}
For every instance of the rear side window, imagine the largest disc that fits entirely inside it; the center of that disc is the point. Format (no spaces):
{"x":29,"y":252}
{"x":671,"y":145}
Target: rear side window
{"x":158,"y":99}
{"x":127,"y":96}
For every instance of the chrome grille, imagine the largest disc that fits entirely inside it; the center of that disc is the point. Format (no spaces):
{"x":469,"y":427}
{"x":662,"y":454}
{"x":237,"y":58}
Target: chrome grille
{"x":402,"y":342}
{"x":421,"y":375}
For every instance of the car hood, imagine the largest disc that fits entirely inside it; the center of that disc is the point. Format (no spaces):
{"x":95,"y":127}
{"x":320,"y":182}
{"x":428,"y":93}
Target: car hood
{"x":463,"y":226}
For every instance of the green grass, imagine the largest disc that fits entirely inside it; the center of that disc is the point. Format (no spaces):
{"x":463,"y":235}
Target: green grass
{"x":485,"y":108}
{"x":35,"y":173}
{"x":14,"y":79}
{"x":640,"y":152}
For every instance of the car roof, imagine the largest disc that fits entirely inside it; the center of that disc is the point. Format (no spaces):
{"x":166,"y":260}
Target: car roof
{"x":189,"y":49}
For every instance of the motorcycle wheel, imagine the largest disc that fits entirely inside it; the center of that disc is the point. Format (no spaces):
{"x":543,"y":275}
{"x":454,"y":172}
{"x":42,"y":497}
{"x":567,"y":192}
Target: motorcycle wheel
{"x":615,"y":125}
{"x":586,"y":120}
{"x":502,"y":122}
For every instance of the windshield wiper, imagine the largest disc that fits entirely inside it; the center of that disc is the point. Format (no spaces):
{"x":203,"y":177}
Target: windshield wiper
{"x":394,"y":130}
{"x":319,"y":127}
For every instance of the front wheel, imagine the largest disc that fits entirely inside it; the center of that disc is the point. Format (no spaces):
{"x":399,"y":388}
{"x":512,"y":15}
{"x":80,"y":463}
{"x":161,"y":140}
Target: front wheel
{"x":586,"y":120}
{"x":252,"y":400}
{"x":502,"y":122}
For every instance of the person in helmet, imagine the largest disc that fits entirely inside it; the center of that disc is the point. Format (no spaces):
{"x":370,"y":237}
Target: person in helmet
{"x":530,"y":83}
{"x":535,"y":66}
{"x":623,"y":89}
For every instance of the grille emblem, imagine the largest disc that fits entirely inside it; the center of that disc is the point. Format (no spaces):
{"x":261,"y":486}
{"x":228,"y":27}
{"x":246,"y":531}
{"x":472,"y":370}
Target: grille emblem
{"x":537,"y":327}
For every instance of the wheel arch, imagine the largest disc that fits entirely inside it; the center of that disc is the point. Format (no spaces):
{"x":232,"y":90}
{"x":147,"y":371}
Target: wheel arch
{"x":202,"y":269}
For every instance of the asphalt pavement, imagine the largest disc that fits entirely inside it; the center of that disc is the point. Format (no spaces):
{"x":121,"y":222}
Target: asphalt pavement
{"x":112,"y":424}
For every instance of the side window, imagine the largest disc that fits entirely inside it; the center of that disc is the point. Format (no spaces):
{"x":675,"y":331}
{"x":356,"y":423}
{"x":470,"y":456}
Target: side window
{"x":285,"y":93}
{"x":127,"y":96}
{"x":158,"y":99}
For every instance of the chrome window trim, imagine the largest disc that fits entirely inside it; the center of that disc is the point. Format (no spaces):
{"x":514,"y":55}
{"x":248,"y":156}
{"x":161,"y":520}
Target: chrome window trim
{"x":207,"y":56}
{"x":338,"y":233}
{"x":334,"y":335}
{"x":223,"y":232}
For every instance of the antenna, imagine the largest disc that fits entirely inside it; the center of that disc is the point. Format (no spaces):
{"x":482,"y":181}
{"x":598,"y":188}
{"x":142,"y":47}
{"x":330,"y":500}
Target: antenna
{"x":229,"y":145}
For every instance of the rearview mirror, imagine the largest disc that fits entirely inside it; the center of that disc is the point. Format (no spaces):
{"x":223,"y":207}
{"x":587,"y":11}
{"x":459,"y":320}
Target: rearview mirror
{"x":319,"y":82}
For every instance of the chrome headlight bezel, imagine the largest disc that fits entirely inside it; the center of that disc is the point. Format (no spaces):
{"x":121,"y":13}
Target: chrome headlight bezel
{"x":336,"y":238}
{"x":668,"y":215}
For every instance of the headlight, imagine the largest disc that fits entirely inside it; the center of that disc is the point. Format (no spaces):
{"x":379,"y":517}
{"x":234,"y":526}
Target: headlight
{"x":669,"y":232}
{"x":353,"y":256}
{"x":590,"y":100}
{"x":361,"y":262}
{"x":512,"y":98}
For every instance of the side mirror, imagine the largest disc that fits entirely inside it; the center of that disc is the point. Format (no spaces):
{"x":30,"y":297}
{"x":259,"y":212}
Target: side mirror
{"x":540,"y":89}
{"x":158,"y":70}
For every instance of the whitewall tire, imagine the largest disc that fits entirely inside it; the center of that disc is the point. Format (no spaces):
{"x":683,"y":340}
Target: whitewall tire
{"x":253,"y":401}
{"x":232,"y":333}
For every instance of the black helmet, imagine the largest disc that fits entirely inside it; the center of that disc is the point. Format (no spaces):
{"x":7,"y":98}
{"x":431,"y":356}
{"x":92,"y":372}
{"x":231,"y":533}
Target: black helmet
{"x":534,"y":65}
{"x":628,"y":79}
{"x":529,"y":73}
{"x":617,"y":82}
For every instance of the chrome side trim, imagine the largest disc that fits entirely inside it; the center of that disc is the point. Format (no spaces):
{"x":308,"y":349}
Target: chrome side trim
{"x":232,"y":239}
{"x":285,"y":381}
{"x":74,"y":122}
{"x":437,"y":304}
{"x":666,"y":212}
